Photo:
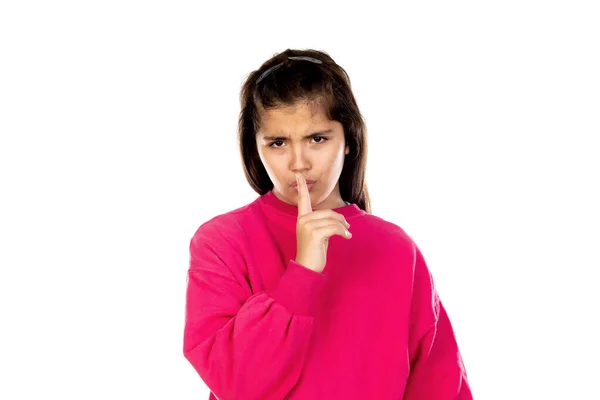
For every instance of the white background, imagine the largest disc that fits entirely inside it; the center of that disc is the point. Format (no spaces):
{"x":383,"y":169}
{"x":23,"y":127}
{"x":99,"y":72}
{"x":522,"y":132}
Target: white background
{"x":118,"y":123}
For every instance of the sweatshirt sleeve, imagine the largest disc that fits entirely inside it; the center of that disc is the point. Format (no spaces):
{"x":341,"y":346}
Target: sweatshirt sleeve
{"x":245,"y":345}
{"x":437,"y":371}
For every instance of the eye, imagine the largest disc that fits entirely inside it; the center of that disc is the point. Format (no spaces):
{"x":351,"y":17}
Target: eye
{"x":272,"y":144}
{"x":277,"y":141}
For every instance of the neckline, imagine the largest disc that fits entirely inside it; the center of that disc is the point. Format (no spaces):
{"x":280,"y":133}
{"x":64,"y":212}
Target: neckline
{"x":273,"y":201}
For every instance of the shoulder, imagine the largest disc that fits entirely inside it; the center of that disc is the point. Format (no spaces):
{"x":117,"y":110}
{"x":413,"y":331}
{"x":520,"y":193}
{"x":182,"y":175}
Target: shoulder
{"x":388,"y":233}
{"x":222,"y":228}
{"x":383,"y":226}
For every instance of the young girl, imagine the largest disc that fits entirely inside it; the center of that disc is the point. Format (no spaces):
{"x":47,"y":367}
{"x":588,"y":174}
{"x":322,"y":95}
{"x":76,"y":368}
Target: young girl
{"x":303,"y":293}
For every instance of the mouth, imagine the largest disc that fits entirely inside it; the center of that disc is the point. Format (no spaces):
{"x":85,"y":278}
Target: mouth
{"x":309,"y":184}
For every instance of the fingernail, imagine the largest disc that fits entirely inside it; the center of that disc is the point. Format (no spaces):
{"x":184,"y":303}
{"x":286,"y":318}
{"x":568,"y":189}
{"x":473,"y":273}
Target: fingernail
{"x":348,"y":234}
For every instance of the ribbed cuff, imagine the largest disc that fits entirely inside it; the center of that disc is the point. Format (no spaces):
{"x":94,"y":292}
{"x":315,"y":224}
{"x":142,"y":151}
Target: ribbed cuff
{"x":298,"y":289}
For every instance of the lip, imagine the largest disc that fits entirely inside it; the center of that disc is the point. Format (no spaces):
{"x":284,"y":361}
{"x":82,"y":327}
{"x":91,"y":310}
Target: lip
{"x":308,"y":183}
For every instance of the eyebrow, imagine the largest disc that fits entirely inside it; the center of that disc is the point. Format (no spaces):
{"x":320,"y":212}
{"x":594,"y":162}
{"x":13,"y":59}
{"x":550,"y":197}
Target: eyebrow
{"x":305,"y":137}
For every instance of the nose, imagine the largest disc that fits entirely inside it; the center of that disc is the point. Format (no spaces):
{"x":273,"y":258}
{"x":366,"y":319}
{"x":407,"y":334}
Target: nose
{"x":299,"y":160}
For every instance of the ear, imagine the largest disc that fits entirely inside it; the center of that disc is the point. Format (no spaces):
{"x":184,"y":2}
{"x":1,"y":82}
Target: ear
{"x":347,"y":149}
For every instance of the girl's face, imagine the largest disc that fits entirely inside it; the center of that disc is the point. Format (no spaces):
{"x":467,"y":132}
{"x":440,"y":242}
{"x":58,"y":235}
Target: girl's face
{"x":301,"y":139}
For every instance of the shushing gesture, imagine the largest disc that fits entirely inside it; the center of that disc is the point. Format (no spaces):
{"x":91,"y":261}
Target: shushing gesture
{"x":314,"y":228}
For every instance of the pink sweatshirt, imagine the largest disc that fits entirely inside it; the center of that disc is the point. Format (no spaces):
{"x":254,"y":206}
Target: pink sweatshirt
{"x":259,"y":326}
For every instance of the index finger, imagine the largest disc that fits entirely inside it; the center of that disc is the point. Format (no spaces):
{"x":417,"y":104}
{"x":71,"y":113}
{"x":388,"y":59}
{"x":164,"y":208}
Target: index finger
{"x":304,"y":206}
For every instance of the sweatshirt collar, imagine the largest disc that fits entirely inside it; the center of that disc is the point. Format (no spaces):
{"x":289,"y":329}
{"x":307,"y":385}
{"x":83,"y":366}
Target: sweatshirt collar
{"x":273,"y":201}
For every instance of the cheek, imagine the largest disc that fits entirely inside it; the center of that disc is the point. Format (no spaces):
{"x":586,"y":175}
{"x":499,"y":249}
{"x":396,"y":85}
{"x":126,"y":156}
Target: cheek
{"x":339,"y":158}
{"x":264,"y":158}
{"x":272,"y":167}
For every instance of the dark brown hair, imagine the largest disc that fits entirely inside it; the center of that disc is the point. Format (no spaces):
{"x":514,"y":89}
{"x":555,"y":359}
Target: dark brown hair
{"x":287,"y":82}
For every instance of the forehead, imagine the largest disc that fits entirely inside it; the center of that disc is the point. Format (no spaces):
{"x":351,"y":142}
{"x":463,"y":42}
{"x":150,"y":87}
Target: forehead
{"x":297,"y":117}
